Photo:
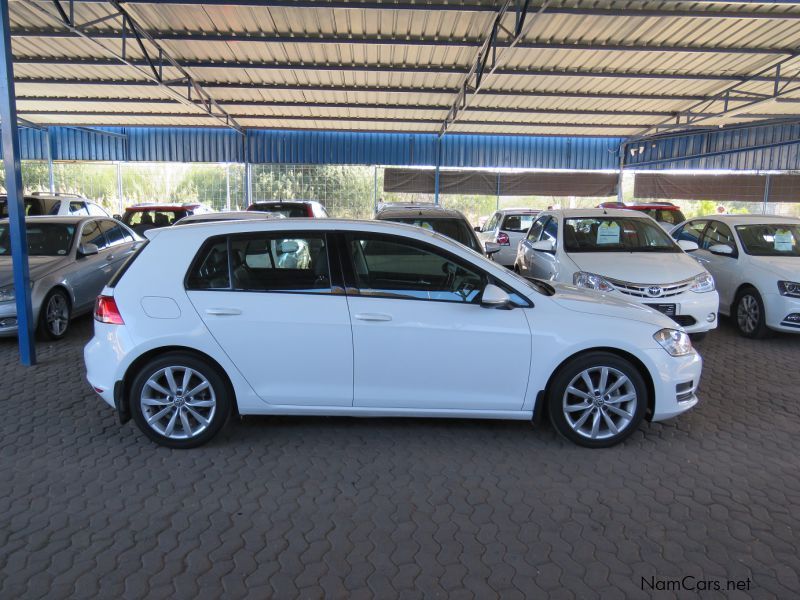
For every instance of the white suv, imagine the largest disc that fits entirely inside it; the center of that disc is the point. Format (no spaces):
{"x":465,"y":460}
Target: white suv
{"x":625,"y":254}
{"x":221,"y":327}
{"x":755,"y":261}
{"x":58,"y":204}
{"x":507,"y":228}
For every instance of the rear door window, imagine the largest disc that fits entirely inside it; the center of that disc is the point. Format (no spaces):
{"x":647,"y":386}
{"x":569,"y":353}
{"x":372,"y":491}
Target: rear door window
{"x":78,"y":208}
{"x":92,"y":233}
{"x":114,"y":232}
{"x":536,"y":229}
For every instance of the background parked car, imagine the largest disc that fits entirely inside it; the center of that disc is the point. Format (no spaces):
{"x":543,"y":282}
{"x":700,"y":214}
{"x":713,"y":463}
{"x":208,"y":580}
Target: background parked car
{"x":621,"y":253}
{"x":222,"y":326}
{"x":142,"y":217}
{"x":71,"y":259}
{"x":755,"y":261}
{"x":665,"y":214}
{"x":292,"y":208}
{"x":231,"y":215}
{"x":507,"y":227}
{"x":448,"y":222}
{"x":56,"y":204}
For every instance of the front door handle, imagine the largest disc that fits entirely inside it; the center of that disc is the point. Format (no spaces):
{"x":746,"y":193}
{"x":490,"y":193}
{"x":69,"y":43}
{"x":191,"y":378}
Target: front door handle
{"x":223,"y":312}
{"x":372,"y":317}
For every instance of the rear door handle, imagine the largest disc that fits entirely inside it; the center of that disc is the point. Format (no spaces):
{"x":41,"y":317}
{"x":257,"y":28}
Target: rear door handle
{"x":372,"y":317}
{"x":223,"y":312}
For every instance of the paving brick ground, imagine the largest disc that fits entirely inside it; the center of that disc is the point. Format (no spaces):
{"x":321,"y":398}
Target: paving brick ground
{"x":348,"y":508}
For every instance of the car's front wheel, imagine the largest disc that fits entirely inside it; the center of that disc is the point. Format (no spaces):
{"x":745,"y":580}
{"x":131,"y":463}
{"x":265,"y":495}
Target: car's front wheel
{"x":54,"y":316}
{"x":749,"y":314}
{"x":180,"y":400}
{"x":597,"y":400}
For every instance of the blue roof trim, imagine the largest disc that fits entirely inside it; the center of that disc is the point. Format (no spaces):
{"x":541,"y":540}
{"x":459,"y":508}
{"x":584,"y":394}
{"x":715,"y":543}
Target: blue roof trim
{"x":774,"y":147}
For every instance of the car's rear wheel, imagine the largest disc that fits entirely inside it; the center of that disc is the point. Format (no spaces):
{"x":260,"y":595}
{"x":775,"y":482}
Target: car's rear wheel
{"x":180,"y":400}
{"x":597,"y":400}
{"x":54,"y":316}
{"x":749,"y":313}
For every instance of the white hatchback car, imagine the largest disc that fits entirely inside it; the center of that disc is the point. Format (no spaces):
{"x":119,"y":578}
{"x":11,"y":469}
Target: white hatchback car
{"x":755,"y":261}
{"x":507,"y":228}
{"x":625,"y":254}
{"x":226,"y":327}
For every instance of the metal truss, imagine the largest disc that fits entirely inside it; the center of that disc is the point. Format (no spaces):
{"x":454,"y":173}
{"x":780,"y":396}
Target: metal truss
{"x":184,"y":88}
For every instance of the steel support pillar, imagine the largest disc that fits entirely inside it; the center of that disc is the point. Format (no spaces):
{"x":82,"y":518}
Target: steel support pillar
{"x":436,"y":173}
{"x":50,"y":172}
{"x":14,"y":191}
{"x":767,"y":182}
{"x":120,"y":199}
{"x":228,"y":186}
{"x":248,"y":184}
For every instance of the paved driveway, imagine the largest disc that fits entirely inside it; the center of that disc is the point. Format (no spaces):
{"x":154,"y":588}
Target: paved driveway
{"x":348,"y":508}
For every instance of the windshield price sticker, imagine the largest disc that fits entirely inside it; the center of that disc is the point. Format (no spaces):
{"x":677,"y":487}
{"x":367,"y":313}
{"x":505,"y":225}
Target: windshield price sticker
{"x":608,"y":233}
{"x":783,"y":241}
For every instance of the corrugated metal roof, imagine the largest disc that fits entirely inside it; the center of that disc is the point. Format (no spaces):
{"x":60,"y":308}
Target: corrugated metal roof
{"x":398,"y":68}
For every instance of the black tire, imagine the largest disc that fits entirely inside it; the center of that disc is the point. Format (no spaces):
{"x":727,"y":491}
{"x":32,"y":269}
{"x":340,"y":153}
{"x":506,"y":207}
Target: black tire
{"x":748,"y":314}
{"x":49,"y":326}
{"x":219,"y":391}
{"x":557,"y":398}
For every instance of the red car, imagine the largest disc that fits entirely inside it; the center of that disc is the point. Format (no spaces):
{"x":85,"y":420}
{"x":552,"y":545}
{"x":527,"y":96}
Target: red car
{"x":142,"y":217}
{"x":667,"y":214}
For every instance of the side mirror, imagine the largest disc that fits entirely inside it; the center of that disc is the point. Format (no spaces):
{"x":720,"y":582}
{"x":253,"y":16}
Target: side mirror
{"x":491,"y":247}
{"x":87,"y":250}
{"x":688,"y":246}
{"x":494,"y":297}
{"x":721,"y":249}
{"x":117,"y":217}
{"x":544,"y":246}
{"x":477,"y":228}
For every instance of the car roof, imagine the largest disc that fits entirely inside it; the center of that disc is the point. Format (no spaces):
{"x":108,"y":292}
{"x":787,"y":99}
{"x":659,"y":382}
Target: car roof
{"x":143,"y":207}
{"x":588,"y":213}
{"x":257,"y":202}
{"x":652,"y":206}
{"x":524,"y":211}
{"x":428,"y":211}
{"x":65,"y":220}
{"x":748,"y":219}
{"x":229,"y":216}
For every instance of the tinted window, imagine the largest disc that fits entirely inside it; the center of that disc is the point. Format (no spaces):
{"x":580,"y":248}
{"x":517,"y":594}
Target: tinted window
{"x":718,"y":233}
{"x":491,"y":223}
{"x":403,"y":269}
{"x":691,"y":232}
{"x":454,"y":228}
{"x":280,"y":263}
{"x":536,"y":229}
{"x":32,"y":207}
{"x":44,"y":239}
{"x":671,"y":217}
{"x":115,"y":233}
{"x":616,"y":234}
{"x":93,"y":234}
{"x":149,"y":219}
{"x":550,"y":233}
{"x":78,"y":208}
{"x":210,"y":270}
{"x":291,"y":210}
{"x":518,"y":223}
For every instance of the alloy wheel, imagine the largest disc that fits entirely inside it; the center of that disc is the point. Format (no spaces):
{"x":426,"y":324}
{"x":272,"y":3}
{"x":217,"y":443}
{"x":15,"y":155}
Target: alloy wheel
{"x":178,"y":402}
{"x":748,"y":314}
{"x":599,"y":402}
{"x":57,"y":315}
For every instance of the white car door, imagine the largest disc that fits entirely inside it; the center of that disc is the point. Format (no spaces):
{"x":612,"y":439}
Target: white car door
{"x":525,"y":251}
{"x":722,"y":267}
{"x":283,"y":321}
{"x":546,"y":262}
{"x":421,"y":340}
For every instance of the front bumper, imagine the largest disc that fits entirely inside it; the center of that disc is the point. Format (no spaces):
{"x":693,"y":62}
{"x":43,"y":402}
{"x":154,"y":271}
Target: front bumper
{"x":692,"y":310}
{"x":675,"y":381}
{"x":781,"y":311}
{"x":8,"y":319}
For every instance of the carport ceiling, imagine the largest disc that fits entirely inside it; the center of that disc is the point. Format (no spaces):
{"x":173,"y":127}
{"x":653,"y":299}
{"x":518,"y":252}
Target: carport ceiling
{"x":578,"y":68}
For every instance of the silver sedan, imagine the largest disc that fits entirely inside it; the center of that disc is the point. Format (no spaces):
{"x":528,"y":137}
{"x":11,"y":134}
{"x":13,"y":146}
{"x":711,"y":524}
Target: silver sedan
{"x":71,"y":259}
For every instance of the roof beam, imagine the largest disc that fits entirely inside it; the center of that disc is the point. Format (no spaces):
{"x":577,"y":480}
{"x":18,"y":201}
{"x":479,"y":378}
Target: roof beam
{"x":385,"y":68}
{"x":372,"y":106}
{"x":723,"y":13}
{"x":248,"y":85}
{"x":290,"y":38}
{"x":151,"y":67}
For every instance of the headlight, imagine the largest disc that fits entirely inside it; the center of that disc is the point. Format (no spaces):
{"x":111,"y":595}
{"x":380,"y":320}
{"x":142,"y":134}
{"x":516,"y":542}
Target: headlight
{"x":7,"y":294}
{"x":789,"y":288}
{"x":591,"y":281}
{"x":676,"y":343}
{"x":703,"y":283}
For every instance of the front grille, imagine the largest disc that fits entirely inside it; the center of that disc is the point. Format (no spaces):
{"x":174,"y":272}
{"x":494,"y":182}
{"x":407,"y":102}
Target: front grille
{"x":646,"y":290}
{"x":684,"y":320}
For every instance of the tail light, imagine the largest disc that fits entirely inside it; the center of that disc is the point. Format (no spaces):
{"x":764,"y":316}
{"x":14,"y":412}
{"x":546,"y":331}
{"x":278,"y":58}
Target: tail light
{"x":310,"y":211}
{"x":502,"y":239}
{"x":106,"y":311}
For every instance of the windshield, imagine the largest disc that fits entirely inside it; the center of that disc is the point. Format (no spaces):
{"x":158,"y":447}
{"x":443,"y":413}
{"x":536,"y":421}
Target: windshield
{"x":45,"y":239}
{"x":770,"y":240}
{"x":455,"y":229}
{"x":290,"y":211}
{"x":616,"y":234}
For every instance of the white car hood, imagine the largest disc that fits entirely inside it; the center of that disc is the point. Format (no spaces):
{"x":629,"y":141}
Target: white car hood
{"x":638,"y":267}
{"x":785,"y":267}
{"x":598,"y":303}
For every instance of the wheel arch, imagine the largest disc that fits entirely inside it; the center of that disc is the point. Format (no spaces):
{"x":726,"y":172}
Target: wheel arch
{"x":133,"y":368}
{"x":736,"y":294}
{"x":540,"y":410}
{"x":59,"y":285}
